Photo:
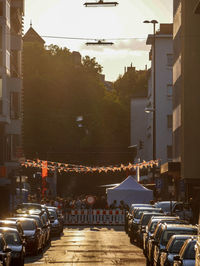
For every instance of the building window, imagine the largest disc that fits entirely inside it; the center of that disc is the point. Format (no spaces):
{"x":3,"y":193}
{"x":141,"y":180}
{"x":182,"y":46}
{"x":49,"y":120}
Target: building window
{"x":169,"y":91}
{"x":1,"y":8}
{"x":169,"y":151}
{"x":169,"y":121}
{"x":169,"y":60}
{"x":14,"y":105}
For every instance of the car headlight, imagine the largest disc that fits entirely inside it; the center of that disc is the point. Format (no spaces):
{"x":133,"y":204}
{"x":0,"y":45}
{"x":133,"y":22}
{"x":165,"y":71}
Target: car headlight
{"x":31,"y":237}
{"x":16,"y":254}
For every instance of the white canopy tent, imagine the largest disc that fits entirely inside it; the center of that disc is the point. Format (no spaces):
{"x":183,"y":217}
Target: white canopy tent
{"x":130,"y":191}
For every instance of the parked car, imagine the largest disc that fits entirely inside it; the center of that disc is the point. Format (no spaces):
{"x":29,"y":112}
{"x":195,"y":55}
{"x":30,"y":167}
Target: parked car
{"x":166,"y":206}
{"x":183,"y":210}
{"x":58,"y":212}
{"x":45,"y":217}
{"x":153,"y":238}
{"x":15,"y":243}
{"x":134,"y":223}
{"x":186,"y":256}
{"x":13,"y":224}
{"x":42,"y":211}
{"x":5,"y":252}
{"x":168,"y":230}
{"x":150,"y":228}
{"x":129,"y":214}
{"x":33,"y":235}
{"x":173,"y":248}
{"x":40,"y":224}
{"x":56,"y":225}
{"x":146,"y":216}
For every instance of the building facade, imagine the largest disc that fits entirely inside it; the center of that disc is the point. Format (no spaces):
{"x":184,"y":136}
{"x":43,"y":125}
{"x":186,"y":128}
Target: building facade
{"x":11,"y":25}
{"x":186,"y":93}
{"x":138,"y":125}
{"x":163,"y":90}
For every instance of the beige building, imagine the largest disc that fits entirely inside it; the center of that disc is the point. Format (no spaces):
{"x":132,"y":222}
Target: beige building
{"x":186,"y":93}
{"x":11,"y":25}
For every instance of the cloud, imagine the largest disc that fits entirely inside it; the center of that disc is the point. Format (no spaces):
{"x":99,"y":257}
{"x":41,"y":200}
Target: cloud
{"x":127,"y":45}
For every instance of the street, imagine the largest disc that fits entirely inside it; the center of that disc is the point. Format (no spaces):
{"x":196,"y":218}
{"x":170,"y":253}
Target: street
{"x":90,"y":245}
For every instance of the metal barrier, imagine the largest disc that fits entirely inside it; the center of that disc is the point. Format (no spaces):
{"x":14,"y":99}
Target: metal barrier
{"x":95,"y":217}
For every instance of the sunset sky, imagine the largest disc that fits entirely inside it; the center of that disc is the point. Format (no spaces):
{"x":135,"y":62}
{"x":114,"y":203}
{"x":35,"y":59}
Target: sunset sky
{"x":71,"y":19}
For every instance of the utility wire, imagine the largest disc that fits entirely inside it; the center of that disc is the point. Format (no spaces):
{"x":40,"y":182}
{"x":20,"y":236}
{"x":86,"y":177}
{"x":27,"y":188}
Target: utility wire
{"x":95,"y":39}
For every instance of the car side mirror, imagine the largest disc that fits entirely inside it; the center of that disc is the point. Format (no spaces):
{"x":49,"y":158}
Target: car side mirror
{"x":7,"y":250}
{"x":155,"y":242}
{"x":177,"y":257}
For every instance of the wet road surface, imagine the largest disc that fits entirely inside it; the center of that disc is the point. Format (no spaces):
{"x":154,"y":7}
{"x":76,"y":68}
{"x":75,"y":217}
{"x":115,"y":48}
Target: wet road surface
{"x":90,"y":245}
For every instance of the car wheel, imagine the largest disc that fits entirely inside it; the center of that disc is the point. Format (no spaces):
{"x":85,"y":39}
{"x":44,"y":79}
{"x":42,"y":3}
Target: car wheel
{"x":147,"y":262}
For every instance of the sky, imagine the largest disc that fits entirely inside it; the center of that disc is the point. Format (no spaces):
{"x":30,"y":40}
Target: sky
{"x":70,"y":18}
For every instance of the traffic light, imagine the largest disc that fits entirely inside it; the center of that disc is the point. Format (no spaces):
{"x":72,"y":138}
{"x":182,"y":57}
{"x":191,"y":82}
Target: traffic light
{"x":141,"y":145}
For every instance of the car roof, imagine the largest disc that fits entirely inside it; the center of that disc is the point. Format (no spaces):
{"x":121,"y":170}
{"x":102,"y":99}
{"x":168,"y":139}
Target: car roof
{"x":8,"y":221}
{"x":7,"y":228}
{"x":164,"y":217}
{"x":182,"y":226}
{"x":182,"y":236}
{"x":24,"y":219}
{"x":150,"y":213}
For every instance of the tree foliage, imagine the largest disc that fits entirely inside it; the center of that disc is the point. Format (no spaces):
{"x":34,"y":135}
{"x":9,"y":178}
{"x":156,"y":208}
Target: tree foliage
{"x":57,"y":90}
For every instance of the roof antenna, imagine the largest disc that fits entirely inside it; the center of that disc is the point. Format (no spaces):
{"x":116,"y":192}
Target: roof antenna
{"x":31,"y":23}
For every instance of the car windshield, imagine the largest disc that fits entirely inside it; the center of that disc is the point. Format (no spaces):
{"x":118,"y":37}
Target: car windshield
{"x":27,"y":224}
{"x":168,"y":233}
{"x":11,"y":225}
{"x":12,"y":238}
{"x":139,"y":213}
{"x":189,"y":253}
{"x":38,"y":221}
{"x":176,"y":246}
{"x":165,"y":206}
{"x":1,"y":244}
{"x":53,"y":213}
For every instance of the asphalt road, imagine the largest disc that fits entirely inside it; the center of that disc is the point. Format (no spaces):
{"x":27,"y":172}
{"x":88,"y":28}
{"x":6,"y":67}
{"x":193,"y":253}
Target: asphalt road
{"x":89,"y":245}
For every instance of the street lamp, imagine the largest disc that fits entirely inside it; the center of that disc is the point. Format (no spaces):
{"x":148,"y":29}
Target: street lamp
{"x":154,"y":22}
{"x":99,"y":42}
{"x":100,"y":3}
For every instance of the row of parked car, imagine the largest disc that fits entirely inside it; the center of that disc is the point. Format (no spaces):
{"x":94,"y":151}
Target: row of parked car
{"x":165,"y":237}
{"x":28,"y":232}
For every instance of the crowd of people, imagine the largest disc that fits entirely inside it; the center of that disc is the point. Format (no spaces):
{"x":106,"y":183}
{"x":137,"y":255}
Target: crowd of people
{"x":80,"y":202}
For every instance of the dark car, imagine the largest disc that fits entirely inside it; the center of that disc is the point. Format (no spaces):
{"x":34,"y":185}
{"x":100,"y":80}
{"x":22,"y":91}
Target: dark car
{"x":5,"y":252}
{"x":186,"y":256}
{"x":166,"y":206}
{"x":13,"y":224}
{"x":33,"y":235}
{"x":36,"y":209}
{"x":136,"y":219}
{"x":151,"y":240}
{"x":168,"y":230}
{"x":56,"y":225}
{"x":15,"y":243}
{"x":173,"y":248}
{"x":146,"y":216}
{"x":150,"y":228}
{"x":45,"y":217}
{"x":58,"y":212}
{"x":129,"y":214}
{"x":40,"y":225}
